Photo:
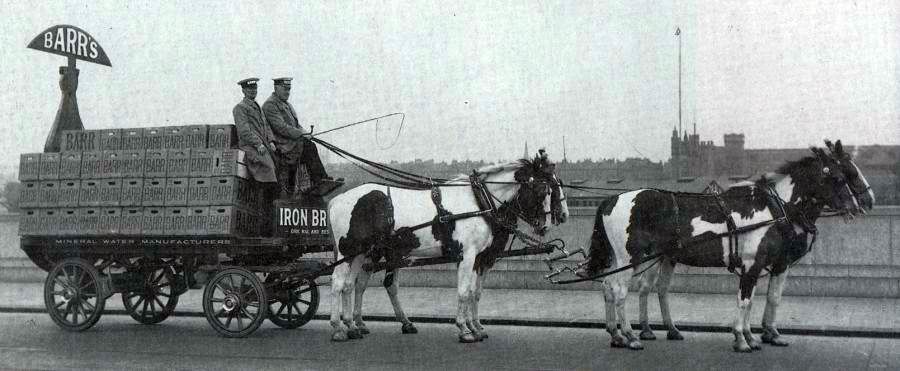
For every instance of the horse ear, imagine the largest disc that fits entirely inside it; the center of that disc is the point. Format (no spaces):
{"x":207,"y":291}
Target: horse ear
{"x":829,"y":145}
{"x":839,"y":148}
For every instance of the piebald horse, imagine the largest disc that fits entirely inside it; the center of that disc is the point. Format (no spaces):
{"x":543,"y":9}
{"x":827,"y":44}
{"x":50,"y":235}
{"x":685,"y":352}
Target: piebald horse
{"x":381,"y":221}
{"x":661,"y":276}
{"x":762,"y":225}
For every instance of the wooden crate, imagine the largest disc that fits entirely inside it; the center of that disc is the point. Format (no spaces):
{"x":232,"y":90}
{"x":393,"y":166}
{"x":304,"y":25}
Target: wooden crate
{"x":155,"y":163}
{"x":154,"y":192}
{"x":49,"y":166}
{"x":197,"y":220}
{"x":69,"y":192}
{"x":176,"y":191}
{"x":30,"y":194}
{"x":153,"y":222}
{"x":131,"y":220}
{"x":176,"y":222}
{"x":178,"y":163}
{"x":199,"y":191}
{"x":70,"y":165}
{"x":232,"y":220}
{"x":90,"y":164}
{"x":225,"y":190}
{"x":89,"y":192}
{"x":195,"y":136}
{"x":111,"y":165}
{"x":80,"y":140}
{"x":49,"y":193}
{"x":154,"y":138}
{"x":29,"y":222}
{"x":29,"y":166}
{"x":88,"y":220}
{"x":66,"y":220}
{"x":222,"y":136}
{"x":173,"y":137}
{"x":110,"y":139}
{"x":110,"y":192}
{"x":110,"y":220}
{"x":132,"y":192}
{"x":225,"y":162}
{"x":132,"y":164}
{"x":202,"y":162}
{"x":132,"y":139}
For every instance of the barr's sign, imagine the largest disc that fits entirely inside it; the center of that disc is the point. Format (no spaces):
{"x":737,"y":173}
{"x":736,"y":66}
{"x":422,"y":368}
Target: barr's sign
{"x":70,"y":41}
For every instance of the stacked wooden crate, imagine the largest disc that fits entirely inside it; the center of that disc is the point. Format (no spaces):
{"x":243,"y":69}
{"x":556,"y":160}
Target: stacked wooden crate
{"x":173,"y":180}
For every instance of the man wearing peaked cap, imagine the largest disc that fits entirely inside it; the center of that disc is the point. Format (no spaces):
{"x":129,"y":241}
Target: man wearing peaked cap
{"x":292,"y":140}
{"x":255,"y":138}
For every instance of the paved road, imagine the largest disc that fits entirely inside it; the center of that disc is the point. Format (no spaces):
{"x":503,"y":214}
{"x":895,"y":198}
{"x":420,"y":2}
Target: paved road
{"x":32,"y":341}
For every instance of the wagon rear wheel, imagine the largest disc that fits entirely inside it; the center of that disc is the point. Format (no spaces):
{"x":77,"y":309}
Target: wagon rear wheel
{"x":292,"y":305}
{"x":73,"y":295}
{"x":156,"y":299}
{"x":234,"y":302}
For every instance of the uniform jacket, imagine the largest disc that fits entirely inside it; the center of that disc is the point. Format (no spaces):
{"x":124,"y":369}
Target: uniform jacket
{"x":287,"y":130}
{"x":253,"y":130}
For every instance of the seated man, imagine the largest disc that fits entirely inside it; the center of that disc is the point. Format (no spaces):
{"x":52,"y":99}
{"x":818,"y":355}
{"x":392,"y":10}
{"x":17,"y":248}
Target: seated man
{"x":293,"y":146}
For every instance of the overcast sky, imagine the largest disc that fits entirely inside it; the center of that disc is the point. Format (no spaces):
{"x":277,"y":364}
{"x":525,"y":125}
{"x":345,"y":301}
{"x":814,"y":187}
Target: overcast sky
{"x":474,"y":80}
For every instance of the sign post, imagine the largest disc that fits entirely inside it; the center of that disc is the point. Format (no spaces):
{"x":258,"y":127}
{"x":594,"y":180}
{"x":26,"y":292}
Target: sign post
{"x":73,"y":43}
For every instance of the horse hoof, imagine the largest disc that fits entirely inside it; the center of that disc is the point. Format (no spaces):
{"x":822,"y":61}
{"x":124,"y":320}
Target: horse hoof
{"x":774,"y":341}
{"x":339,"y":336}
{"x":354,"y":334}
{"x":617,"y":342}
{"x":364,"y":330}
{"x":467,"y":338}
{"x":480,"y":335}
{"x":647,"y":335}
{"x":742,"y":348}
{"x":674,"y":335}
{"x":409,"y":328}
{"x":635,"y":345}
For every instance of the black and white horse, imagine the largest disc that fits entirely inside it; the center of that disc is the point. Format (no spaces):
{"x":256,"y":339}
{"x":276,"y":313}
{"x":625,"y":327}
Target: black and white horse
{"x":384,"y":217}
{"x":661,"y":277}
{"x":762,"y":225}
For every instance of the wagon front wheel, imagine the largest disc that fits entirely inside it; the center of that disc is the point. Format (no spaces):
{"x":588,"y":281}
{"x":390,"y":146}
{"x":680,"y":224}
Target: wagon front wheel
{"x":234,"y":302}
{"x":73,"y":295}
{"x":156,"y":298}
{"x":292,"y":305}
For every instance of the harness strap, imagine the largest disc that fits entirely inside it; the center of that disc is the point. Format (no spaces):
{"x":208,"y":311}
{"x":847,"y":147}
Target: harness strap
{"x":677,"y":225}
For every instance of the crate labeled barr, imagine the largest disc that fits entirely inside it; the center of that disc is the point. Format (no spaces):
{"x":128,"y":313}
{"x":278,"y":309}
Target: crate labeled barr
{"x":230,"y":190}
{"x":202,"y":162}
{"x":110,"y":139}
{"x":132,"y":192}
{"x":49,"y":166}
{"x":228,"y":162}
{"x":69,"y":192}
{"x":132,"y":163}
{"x":176,"y":222}
{"x":28,"y":223}
{"x":110,"y":220}
{"x":49,"y":193}
{"x":154,"y":192}
{"x":111,"y":165}
{"x":232,"y":220}
{"x":29,"y":195}
{"x":195,"y":136}
{"x":49,"y":222}
{"x":178,"y":163}
{"x":154,"y":138}
{"x":80,"y":140}
{"x":199,"y":191}
{"x":110,"y":192}
{"x":197,"y":220}
{"x":154,"y":221}
{"x":222,"y":136}
{"x":29,"y":166}
{"x":90,"y":164}
{"x":67,"y":221}
{"x":132,"y":139}
{"x":70,"y":165}
{"x":89,"y":192}
{"x":131,"y":220}
{"x":88,"y":220}
{"x":155,"y":163}
{"x":173,"y":137}
{"x":176,"y":192}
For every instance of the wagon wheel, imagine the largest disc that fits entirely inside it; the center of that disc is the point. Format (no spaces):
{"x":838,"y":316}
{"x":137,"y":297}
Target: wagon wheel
{"x":232,"y":302}
{"x":292,"y":305}
{"x":72,"y":295}
{"x":157,"y":297}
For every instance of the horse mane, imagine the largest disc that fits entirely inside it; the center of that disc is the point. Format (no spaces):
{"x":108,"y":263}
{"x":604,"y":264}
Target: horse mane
{"x":798,"y":168}
{"x":496,"y":168}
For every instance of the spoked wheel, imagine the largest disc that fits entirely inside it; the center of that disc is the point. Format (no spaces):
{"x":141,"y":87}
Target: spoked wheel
{"x":156,"y":298}
{"x":292,"y":305}
{"x":72,"y":295}
{"x":234,"y":302}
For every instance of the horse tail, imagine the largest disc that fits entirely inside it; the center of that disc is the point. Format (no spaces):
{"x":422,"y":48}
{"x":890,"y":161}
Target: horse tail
{"x":601,"y":251}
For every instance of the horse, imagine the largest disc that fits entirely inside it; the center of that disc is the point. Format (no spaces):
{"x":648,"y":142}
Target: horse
{"x":661,"y":277}
{"x":375,"y":221}
{"x":755,"y":226}
{"x":501,"y":236}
